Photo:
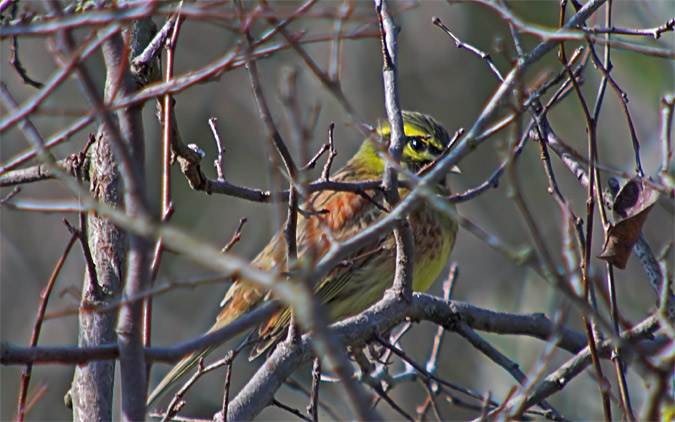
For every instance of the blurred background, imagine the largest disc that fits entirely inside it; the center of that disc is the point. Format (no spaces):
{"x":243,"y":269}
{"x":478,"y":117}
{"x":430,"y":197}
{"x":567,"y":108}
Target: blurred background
{"x":435,"y":77}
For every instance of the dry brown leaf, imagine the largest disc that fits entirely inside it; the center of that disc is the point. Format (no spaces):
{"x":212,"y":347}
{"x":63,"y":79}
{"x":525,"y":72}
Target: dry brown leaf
{"x":631,"y":207}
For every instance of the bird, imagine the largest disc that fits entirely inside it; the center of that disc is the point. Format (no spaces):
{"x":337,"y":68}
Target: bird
{"x":335,"y":216}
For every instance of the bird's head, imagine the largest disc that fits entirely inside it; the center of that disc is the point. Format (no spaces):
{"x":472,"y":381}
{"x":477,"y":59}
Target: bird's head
{"x":426,"y":140}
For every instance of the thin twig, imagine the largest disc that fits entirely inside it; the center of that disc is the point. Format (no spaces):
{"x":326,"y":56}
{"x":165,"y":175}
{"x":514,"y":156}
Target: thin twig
{"x":297,"y":386}
{"x":218,"y":163}
{"x":448,"y":287}
{"x":500,"y":359}
{"x":312,"y":162}
{"x":42,"y":307}
{"x":265,"y":114}
{"x":177,"y":402}
{"x":431,"y":400}
{"x":14,"y":58}
{"x":291,"y":410}
{"x":650,"y":32}
{"x":485,"y":56}
{"x":325,"y":173}
{"x":424,"y":372}
{"x":313,"y":408}
{"x":9,"y":196}
{"x":381,"y":393}
{"x":86,"y":251}
{"x":236,"y":237}
{"x":144,"y":66}
{"x":667,"y":107}
{"x":154,"y":47}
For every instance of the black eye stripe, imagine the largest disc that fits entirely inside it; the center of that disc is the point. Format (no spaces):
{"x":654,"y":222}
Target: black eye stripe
{"x":435,"y":150}
{"x":419,"y":144}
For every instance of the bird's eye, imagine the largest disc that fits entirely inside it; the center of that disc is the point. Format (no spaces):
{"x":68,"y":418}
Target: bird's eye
{"x":417,"y":144}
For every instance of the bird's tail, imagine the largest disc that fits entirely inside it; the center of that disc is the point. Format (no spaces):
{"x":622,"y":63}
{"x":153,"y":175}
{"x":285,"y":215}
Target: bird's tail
{"x":176,"y":373}
{"x":238,"y":301}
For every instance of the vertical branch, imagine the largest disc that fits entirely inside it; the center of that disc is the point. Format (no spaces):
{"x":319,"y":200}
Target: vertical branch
{"x":125,"y":137}
{"x":117,"y":179}
{"x":667,"y":106}
{"x":335,"y":66}
{"x":265,"y":114}
{"x":402,"y":234}
{"x":290,"y":235}
{"x":166,"y":207}
{"x":91,"y":390}
{"x":130,"y":323}
{"x":619,"y":365}
{"x":290,"y":228}
{"x":313,"y":408}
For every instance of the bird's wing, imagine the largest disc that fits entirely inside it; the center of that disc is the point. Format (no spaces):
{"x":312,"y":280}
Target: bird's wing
{"x":339,"y":216}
